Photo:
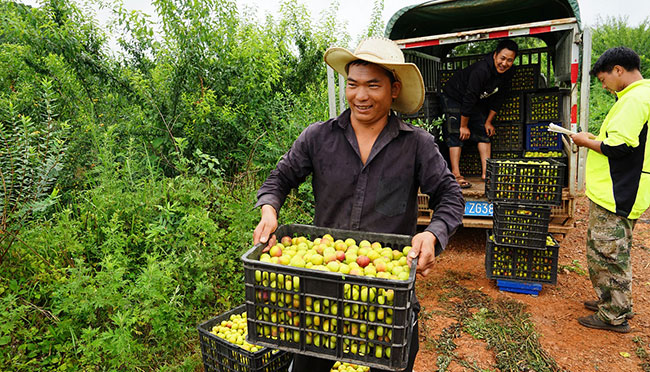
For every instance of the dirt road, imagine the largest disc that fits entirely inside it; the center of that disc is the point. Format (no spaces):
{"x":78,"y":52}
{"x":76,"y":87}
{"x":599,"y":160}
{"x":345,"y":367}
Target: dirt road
{"x":443,"y":341}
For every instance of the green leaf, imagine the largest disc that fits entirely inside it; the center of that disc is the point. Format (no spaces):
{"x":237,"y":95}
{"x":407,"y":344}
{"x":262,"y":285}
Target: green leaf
{"x":4,"y":340}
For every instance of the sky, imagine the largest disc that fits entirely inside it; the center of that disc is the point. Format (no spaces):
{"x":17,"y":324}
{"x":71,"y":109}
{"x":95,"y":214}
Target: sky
{"x":350,"y":10}
{"x":356,"y":13}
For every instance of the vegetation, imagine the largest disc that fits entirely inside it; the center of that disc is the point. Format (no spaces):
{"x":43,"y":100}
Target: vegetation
{"x":609,"y":33}
{"x":502,"y":324}
{"x":127,"y":179}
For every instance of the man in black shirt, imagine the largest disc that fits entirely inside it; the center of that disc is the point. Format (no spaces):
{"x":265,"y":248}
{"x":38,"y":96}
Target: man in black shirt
{"x":367,"y":165}
{"x":471,"y":99}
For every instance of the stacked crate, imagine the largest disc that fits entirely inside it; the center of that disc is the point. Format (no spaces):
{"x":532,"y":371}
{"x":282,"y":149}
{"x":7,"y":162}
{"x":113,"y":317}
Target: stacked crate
{"x":508,"y":125}
{"x":508,"y":142}
{"x":523,"y":191}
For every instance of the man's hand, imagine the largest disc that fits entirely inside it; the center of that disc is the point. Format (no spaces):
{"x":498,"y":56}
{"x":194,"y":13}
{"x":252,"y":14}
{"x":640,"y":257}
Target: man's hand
{"x":588,"y":140}
{"x":489,"y":129}
{"x":582,"y":138}
{"x":464,"y":133}
{"x":267,"y":225}
{"x":424,"y":247}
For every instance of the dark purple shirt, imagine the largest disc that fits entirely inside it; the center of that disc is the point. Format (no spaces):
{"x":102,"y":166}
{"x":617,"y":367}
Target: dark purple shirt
{"x":380,"y":196}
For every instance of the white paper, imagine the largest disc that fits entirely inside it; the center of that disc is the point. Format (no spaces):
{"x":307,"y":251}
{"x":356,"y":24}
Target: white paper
{"x":558,"y":129}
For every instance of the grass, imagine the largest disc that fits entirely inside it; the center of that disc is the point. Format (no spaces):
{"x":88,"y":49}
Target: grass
{"x":503,"y":324}
{"x":574,"y":267}
{"x":642,"y":352}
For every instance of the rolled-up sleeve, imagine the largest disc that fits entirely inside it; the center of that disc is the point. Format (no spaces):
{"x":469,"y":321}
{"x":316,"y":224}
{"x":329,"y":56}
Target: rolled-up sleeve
{"x":292,"y":169}
{"x":445,"y":197}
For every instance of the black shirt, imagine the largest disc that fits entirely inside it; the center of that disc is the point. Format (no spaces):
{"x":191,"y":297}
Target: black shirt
{"x":479,"y":85}
{"x":380,"y":196}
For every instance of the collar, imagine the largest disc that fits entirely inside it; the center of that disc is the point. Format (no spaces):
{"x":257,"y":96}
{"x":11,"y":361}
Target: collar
{"x":343,"y":121}
{"x":632,"y":86}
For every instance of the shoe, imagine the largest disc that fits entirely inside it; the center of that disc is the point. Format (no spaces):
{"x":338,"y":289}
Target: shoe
{"x":463,"y":183}
{"x":592,"y":321}
{"x":593,"y":306}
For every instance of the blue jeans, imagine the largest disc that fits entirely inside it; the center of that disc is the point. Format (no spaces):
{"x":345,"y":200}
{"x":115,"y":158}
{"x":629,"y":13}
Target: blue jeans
{"x":451,"y":126}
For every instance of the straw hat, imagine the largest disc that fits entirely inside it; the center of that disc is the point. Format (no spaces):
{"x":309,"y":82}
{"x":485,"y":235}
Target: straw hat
{"x":386,"y":53}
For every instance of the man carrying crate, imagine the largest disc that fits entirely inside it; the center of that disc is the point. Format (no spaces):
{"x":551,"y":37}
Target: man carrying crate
{"x":367,"y":165}
{"x":471,"y":99}
{"x":618,"y":187}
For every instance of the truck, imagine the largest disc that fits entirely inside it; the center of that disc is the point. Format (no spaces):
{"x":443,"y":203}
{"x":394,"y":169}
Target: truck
{"x":439,"y":37}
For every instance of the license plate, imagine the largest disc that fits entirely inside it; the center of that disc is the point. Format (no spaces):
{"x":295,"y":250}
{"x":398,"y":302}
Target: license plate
{"x":478,"y":208}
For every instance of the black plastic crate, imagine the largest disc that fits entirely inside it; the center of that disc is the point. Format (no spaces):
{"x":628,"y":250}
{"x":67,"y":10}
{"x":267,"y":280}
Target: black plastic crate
{"x":556,"y":155}
{"x":538,"y":137}
{"x":470,"y":162}
{"x":351,"y":318}
{"x":443,"y":77}
{"x":521,"y":264}
{"x":521,"y":226}
{"x":221,"y":355}
{"x":430,"y":109}
{"x":525,"y":181}
{"x":508,"y":137}
{"x":505,"y":155}
{"x":544,"y":106}
{"x":526,"y":77}
{"x":512,"y":110}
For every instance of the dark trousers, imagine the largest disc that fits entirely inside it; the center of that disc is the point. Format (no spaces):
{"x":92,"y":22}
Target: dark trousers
{"x":303,"y":363}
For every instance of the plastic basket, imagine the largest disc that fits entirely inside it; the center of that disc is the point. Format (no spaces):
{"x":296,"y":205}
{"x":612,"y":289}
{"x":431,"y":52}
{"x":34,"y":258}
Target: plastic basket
{"x":330,"y":315}
{"x":544,"y":106}
{"x":505,"y":155}
{"x":538,"y":137}
{"x":429,"y":110}
{"x":524,"y":181}
{"x":522,"y":226}
{"x":525,"y":77}
{"x":512,"y":110}
{"x":557,"y":155}
{"x":221,"y":355}
{"x":521,"y":264}
{"x":443,"y":77}
{"x":470,"y":162}
{"x":508,"y":137}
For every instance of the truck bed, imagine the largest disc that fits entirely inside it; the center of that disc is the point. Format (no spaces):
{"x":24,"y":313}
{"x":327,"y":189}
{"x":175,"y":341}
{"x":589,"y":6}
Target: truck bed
{"x":561,"y":216}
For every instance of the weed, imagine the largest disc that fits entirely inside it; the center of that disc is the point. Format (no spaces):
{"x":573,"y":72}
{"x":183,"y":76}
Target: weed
{"x":574,"y":267}
{"x":503,"y":324}
{"x":642,"y":353}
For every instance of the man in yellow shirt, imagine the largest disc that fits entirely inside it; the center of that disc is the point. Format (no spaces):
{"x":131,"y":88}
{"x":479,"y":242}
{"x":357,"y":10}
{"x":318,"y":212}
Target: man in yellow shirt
{"x":618,"y":187}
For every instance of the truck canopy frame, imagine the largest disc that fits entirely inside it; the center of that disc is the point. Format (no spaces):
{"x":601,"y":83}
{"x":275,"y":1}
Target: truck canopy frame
{"x":445,"y":16}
